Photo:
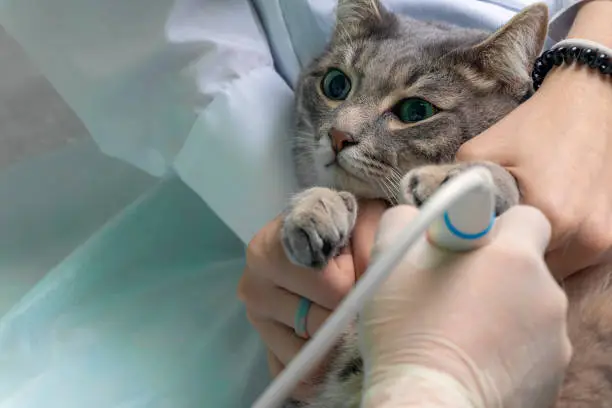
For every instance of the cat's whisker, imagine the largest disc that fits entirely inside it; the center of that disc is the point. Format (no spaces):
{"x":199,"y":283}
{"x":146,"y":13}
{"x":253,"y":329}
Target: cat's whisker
{"x":369,"y":163}
{"x":303,"y":143}
{"x":304,"y":131}
{"x":380,"y":177}
{"x":391,"y":180}
{"x":383,"y":187}
{"x":304,"y":136}
{"x":396,"y":178}
{"x":392,"y":190}
{"x":388,"y":191}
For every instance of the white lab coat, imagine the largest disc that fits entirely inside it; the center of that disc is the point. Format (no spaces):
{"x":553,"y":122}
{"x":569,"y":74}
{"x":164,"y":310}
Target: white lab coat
{"x":140,"y":229}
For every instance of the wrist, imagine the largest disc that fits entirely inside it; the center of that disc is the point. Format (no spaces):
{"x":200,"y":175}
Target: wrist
{"x":421,"y":359}
{"x":417,"y":386}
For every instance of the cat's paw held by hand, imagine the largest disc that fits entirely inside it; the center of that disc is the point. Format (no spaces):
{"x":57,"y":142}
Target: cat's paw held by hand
{"x":318,"y":225}
{"x":419,"y":184}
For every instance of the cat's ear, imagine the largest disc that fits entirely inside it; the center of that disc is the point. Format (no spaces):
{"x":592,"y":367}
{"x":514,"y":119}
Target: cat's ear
{"x":356,"y":18}
{"x":509,"y":53}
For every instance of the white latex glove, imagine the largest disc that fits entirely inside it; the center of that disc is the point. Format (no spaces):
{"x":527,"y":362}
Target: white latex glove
{"x":482,"y":329}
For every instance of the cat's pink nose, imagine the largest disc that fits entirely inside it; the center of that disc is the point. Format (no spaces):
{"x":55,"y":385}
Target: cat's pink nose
{"x":340,"y":139}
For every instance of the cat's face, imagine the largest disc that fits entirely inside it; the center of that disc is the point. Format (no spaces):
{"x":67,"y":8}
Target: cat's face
{"x":390,"y":93}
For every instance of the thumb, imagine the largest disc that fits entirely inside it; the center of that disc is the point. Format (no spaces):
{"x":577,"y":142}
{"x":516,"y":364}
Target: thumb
{"x":492,"y":145}
{"x":523,"y":226}
{"x":368,"y":218}
{"x":476,"y":149}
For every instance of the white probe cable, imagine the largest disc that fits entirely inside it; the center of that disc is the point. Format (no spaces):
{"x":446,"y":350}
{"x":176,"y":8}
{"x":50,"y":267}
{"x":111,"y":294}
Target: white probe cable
{"x":456,"y":217}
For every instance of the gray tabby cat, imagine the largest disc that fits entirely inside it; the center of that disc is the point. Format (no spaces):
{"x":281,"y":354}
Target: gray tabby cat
{"x":381,"y":114}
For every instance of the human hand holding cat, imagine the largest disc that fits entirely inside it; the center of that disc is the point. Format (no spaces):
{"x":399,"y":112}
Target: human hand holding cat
{"x":271,"y":286}
{"x":558,"y":146}
{"x":482,"y":329}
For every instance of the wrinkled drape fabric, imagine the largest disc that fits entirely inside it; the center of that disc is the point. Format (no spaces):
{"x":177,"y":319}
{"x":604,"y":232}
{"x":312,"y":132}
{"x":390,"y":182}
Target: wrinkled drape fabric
{"x":138,"y":307}
{"x":140,"y":227}
{"x":142,"y":314}
{"x":182,"y":86}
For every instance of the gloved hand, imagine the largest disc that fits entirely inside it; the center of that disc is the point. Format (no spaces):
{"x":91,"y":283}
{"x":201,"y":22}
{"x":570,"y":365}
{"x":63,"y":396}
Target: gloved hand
{"x":482,"y":329}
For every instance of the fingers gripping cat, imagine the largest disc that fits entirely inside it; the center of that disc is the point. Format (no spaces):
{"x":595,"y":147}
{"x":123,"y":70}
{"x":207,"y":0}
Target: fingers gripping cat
{"x":319,"y":220}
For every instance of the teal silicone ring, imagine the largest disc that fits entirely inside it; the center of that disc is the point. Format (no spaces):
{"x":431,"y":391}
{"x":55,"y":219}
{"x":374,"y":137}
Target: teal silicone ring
{"x":301,"y":316}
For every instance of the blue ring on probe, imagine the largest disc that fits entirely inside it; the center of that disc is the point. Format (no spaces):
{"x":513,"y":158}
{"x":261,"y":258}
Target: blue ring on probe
{"x":465,"y":235}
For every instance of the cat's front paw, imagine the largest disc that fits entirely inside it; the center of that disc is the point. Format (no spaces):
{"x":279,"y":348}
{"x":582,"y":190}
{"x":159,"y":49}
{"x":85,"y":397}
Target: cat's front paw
{"x":419,"y":184}
{"x":318,"y":224}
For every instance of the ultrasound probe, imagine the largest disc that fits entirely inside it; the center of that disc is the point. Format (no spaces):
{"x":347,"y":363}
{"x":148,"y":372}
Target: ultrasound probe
{"x":458,"y":217}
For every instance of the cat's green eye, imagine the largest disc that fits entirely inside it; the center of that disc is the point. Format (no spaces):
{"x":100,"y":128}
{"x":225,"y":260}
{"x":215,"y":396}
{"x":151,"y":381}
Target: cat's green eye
{"x":412,"y":110}
{"x":336,"y":85}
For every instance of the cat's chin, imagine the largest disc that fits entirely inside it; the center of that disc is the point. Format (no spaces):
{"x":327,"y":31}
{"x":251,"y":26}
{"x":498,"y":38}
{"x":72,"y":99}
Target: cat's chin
{"x":353,"y":181}
{"x":343,"y":180}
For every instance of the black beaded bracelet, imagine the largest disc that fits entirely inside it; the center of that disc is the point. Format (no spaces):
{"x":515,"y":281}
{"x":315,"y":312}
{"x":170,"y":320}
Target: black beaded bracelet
{"x":584,"y":52}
